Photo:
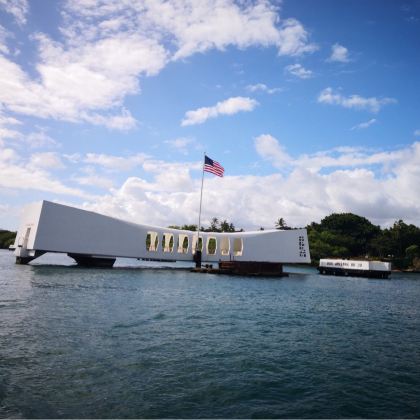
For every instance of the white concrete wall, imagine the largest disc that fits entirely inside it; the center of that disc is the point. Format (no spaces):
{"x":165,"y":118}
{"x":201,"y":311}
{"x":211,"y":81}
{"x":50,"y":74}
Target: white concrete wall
{"x":30,"y":220}
{"x":59,"y":228}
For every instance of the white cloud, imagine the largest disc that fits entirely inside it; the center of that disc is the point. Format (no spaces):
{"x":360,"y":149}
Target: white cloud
{"x":216,"y":24}
{"x":75,"y":84}
{"x":17,"y":177}
{"x":193,"y":26}
{"x":299,"y":71}
{"x":381,"y":185}
{"x":363,"y":125}
{"x":115,"y":163}
{"x":8,"y":120}
{"x":261,"y":87}
{"x":72,"y":158}
{"x":17,"y":8}
{"x":302,"y":195}
{"x":179,"y":143}
{"x":39,"y":139}
{"x":7,"y":154}
{"x":3,"y":36}
{"x":227,"y":107}
{"x":33,"y":140}
{"x":293,"y":39}
{"x":77,"y":79}
{"x":95,"y":181}
{"x":183,"y":144}
{"x":92,"y":179}
{"x":270,"y":149}
{"x":339,"y":53}
{"x":124,"y":121}
{"x":5,"y":131}
{"x":46,"y":160}
{"x":18,"y":173}
{"x":328,"y":96}
{"x":417,"y":132}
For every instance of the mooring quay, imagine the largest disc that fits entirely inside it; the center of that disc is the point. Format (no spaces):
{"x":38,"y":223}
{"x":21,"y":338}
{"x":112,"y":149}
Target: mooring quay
{"x":96,"y":240}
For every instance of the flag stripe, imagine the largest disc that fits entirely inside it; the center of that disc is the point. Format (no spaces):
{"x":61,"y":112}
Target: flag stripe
{"x":213,"y":167}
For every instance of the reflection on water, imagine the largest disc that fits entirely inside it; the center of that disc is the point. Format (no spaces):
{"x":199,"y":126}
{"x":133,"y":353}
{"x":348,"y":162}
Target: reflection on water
{"x":129,"y":342}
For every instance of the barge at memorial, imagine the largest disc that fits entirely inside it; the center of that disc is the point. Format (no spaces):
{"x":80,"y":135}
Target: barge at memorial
{"x":93,"y":239}
{"x":355,"y":268}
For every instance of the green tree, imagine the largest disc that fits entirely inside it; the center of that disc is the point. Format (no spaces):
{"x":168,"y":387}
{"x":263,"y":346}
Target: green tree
{"x":214,"y":225}
{"x":280,"y":223}
{"x":193,"y":228}
{"x":356,"y":231}
{"x":412,"y":251}
{"x":7,"y":238}
{"x":225,"y":226}
{"x":403,"y":236}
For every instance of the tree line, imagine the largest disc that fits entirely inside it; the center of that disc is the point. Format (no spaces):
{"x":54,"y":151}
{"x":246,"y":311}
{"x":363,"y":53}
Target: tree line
{"x":347,"y":235}
{"x":216,"y":225}
{"x":7,"y":238}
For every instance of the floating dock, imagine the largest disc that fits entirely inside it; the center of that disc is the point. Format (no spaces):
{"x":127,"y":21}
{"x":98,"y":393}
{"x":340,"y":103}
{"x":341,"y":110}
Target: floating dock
{"x":244,"y":268}
{"x":355,"y":268}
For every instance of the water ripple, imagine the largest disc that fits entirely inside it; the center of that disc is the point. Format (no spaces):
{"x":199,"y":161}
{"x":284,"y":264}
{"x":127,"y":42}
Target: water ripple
{"x":133,"y":343}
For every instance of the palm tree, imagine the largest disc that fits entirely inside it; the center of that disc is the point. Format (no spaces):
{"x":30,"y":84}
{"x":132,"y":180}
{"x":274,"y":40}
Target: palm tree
{"x":213,"y":224}
{"x":280,"y":223}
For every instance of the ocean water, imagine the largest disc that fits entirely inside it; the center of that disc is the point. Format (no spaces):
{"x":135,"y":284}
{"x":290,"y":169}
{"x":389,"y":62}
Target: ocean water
{"x":151,"y":343}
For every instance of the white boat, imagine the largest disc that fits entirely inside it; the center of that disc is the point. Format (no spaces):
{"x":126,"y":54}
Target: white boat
{"x":357,"y":268}
{"x":94,"y":239}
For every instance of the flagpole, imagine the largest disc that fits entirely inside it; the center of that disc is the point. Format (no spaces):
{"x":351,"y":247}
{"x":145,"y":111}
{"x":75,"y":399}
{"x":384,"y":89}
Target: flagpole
{"x":201,"y":200}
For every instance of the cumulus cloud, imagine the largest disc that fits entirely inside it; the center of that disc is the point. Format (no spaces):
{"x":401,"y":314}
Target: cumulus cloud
{"x":75,"y":84}
{"x":299,"y":71}
{"x":270,"y":149}
{"x":90,"y":178}
{"x":179,"y":143}
{"x":381,"y":185}
{"x":47,"y":160}
{"x":8,"y":127}
{"x":40,"y":139}
{"x":293,"y":39}
{"x":304,"y":194}
{"x":363,"y":125}
{"x":115,"y":163}
{"x":261,"y":87}
{"x":17,"y":8}
{"x":227,"y":107}
{"x":7,"y":133}
{"x":374,"y":105}
{"x":124,"y":121}
{"x":3,"y":36}
{"x":76,"y":79}
{"x":33,"y":140}
{"x":19,"y":173}
{"x":193,"y":26}
{"x":183,"y":144}
{"x":94,"y":181}
{"x":339,"y":53}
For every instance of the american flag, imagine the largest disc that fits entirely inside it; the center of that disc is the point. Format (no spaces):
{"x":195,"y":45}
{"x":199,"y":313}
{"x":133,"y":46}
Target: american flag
{"x":213,"y":167}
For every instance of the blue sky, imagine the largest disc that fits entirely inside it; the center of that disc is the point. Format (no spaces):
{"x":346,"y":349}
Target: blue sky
{"x":311,"y":106}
